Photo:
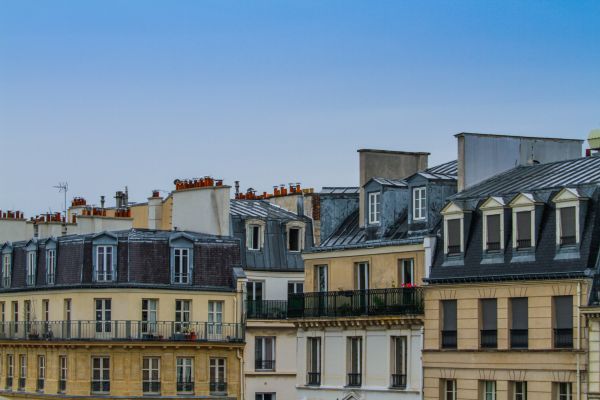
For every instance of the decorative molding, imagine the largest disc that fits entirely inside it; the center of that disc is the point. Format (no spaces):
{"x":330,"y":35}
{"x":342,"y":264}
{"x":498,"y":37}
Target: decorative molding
{"x":517,"y":291}
{"x":449,"y":294}
{"x":487,"y":292}
{"x":563,"y":290}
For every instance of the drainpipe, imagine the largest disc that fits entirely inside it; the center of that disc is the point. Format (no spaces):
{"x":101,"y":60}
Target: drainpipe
{"x":422,"y":369}
{"x":578,"y":339}
{"x":242,"y":380}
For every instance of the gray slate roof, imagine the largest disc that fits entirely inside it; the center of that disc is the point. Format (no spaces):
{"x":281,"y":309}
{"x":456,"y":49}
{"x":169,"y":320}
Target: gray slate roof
{"x":259,"y":209}
{"x":340,"y":190}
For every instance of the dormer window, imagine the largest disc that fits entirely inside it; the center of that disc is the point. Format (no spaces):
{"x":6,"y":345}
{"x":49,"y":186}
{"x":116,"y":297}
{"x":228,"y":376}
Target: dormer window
{"x":419,"y":203}
{"x":568,"y":205}
{"x":253,"y":237}
{"x":523,"y":221}
{"x":492,"y":211}
{"x":567,"y":221}
{"x":374,"y":207}
{"x":453,"y":236}
{"x":31,"y":264}
{"x":524,"y":226}
{"x":295,"y":236}
{"x":50,"y":266}
{"x":492,"y":242}
{"x":104,"y":263}
{"x":181,"y":266}
{"x":454,"y":226}
{"x":6,"y":270}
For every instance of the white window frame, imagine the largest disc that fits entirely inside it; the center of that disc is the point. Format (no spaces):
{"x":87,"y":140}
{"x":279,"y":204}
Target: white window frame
{"x":289,"y":238}
{"x":50,"y":266}
{"x":489,"y":390}
{"x":264,"y":341}
{"x":6,"y":270}
{"x":251,"y":294}
{"x":215,"y":365}
{"x":523,"y":202}
{"x":449,"y":392}
{"x":401,"y":261}
{"x":559,"y":206}
{"x":374,"y":207}
{"x":103,"y":371}
{"x":62,"y":370}
{"x":104,"y":263}
{"x":262,"y":396}
{"x":215,"y":317}
{"x":295,"y":286}
{"x":520,"y":395}
{"x":150,"y":365}
{"x":253,"y":244}
{"x":420,"y":203}
{"x":182,"y":315}
{"x":318,"y":269}
{"x":403,"y":342}
{"x":185,"y":365}
{"x":567,"y":394}
{"x":180,"y":256}
{"x":310,"y":342}
{"x":255,"y":222}
{"x":41,"y":370}
{"x":103,"y":315}
{"x":22,"y":370}
{"x":31,"y":264}
{"x":350,"y":359}
{"x":149,"y":315}
{"x":447,"y":218}
{"x":10,"y":367}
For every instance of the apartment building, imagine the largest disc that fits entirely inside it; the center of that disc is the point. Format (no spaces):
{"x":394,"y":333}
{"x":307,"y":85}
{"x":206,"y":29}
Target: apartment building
{"x":510,"y":281}
{"x":360,"y":319}
{"x":122,"y":314}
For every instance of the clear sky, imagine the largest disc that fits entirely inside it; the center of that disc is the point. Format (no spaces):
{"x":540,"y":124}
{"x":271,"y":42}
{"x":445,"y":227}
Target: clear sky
{"x":104,"y":94}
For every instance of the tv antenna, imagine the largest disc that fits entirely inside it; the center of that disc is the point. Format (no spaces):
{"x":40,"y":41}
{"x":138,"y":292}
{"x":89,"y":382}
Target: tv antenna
{"x":63,"y":187}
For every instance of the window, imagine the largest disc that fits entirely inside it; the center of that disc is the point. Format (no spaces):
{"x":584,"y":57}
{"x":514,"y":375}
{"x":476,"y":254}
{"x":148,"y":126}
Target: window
{"x":265,"y":396}
{"x":313,"y":362}
{"x":185,"y":375}
{"x":398,"y":353}
{"x":10,"y":370}
{"x":563,"y":321}
{"x":218,"y":383}
{"x":215,"y":318}
{"x":565,"y":391}
{"x":181,"y":268}
{"x":30,"y":268}
{"x":489,"y":323}
{"x":15,"y":315}
{"x":149,"y":316}
{"x":321,"y":278}
{"x":67,"y":309}
{"x":66,"y":329}
{"x":100,"y":374}
{"x":489,"y":390}
{"x":103,"y":315}
{"x":354,"y":361}
{"x":182,"y":315}
{"x":419,"y":204}
{"x":2,"y":317}
{"x":520,"y":390}
{"x":454,"y":236}
{"x":567,"y":225}
{"x":6,"y":270}
{"x":253,"y":240}
{"x":361,"y":276}
{"x":254,"y":290}
{"x":46,"y":317}
{"x":407,"y":272}
{"x":295,"y":287}
{"x":22,"y":371}
{"x":519,"y":331}
{"x":41,"y":373}
{"x":104,"y":263}
{"x":448,"y":324}
{"x":27,"y":307}
{"x":62,"y":377}
{"x":151,"y":375}
{"x":524,"y":229}
{"x":264,"y":353}
{"x":294,"y":239}
{"x":449,"y":389}
{"x":50,"y":266}
{"x":374,"y":207}
{"x":493,"y":232}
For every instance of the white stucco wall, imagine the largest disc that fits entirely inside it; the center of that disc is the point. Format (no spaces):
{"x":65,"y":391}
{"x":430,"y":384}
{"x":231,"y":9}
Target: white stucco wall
{"x":92,"y":224}
{"x":204,"y":210}
{"x":12,"y":230}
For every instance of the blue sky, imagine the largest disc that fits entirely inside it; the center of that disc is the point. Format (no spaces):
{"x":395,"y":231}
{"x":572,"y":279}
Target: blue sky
{"x":105,"y":94}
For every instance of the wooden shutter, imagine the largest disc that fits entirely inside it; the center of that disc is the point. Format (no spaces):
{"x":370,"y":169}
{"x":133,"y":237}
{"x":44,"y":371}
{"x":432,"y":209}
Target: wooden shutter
{"x":449,"y":315}
{"x":489,"y":311}
{"x":454,"y":232}
{"x":563,"y":312}
{"x":493,"y":228}
{"x":519,"y":313}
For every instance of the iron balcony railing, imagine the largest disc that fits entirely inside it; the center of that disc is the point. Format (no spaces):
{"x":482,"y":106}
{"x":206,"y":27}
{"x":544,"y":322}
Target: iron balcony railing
{"x":122,"y":330}
{"x":399,"y":381}
{"x":264,"y":365}
{"x":6,"y":282}
{"x":568,"y":240}
{"x":519,"y":338}
{"x":489,"y":338}
{"x":40,"y":385}
{"x":563,"y":338}
{"x":354,"y":379}
{"x":185,"y":386}
{"x":453,"y":249}
{"x":218,"y":387}
{"x":448,"y":339}
{"x":523,"y":243}
{"x":493,"y":246}
{"x":313,"y":378}
{"x":62,"y":385}
{"x":100,"y":387}
{"x":393,"y":301}
{"x":21,"y":383}
{"x":266,"y":309}
{"x":151,"y":387}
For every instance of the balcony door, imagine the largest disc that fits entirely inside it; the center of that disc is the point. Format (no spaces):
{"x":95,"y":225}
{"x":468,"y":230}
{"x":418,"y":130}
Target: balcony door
{"x":103,"y":318}
{"x":361,"y":283}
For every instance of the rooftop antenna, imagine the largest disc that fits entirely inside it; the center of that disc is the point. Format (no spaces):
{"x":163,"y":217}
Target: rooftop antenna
{"x":63,"y":187}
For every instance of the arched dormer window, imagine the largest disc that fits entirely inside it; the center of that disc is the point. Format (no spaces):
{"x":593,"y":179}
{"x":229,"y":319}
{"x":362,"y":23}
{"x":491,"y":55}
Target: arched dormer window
{"x":255,"y":234}
{"x":568,"y":206}
{"x":492,"y":211}
{"x":6,"y":265}
{"x":523,"y":221}
{"x":104,"y":247}
{"x":454,"y":226}
{"x":51,"y":261}
{"x":295,"y":235}
{"x":182,"y":258}
{"x":31,"y":262}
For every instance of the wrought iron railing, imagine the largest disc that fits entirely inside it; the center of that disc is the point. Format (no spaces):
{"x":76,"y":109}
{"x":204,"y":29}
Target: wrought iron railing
{"x":493,"y":246}
{"x":489,"y":338}
{"x":313,"y":378}
{"x":122,"y":330}
{"x":218,"y":387}
{"x":264,"y":365}
{"x":523,"y":243}
{"x":519,"y":338}
{"x":563,"y":338}
{"x":393,"y":301}
{"x":30,"y":280}
{"x":399,"y":381}
{"x":448,"y":339}
{"x":266,"y":309}
{"x":50,"y":279}
{"x":62,"y":385}
{"x":151,"y":387}
{"x":354,"y":379}
{"x":453,"y":249}
{"x":568,"y":240}
{"x":185,"y":386}
{"x":40,"y":385}
{"x":6,"y":282}
{"x":100,"y":386}
{"x":21,"y":383}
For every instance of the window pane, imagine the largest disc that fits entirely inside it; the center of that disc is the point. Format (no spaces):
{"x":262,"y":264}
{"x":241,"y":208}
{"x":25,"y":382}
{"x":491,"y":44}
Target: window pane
{"x":524,"y":225}
{"x":454,"y":232}
{"x":567,"y":222}
{"x":520,"y":314}
{"x":493,"y":228}
{"x":563,"y":312}
{"x":449,"y":315}
{"x":488,"y":314}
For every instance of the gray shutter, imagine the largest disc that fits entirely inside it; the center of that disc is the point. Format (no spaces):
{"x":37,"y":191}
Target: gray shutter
{"x":567,"y":222}
{"x":489,"y":312}
{"x":523,"y":225}
{"x":449,"y":315}
{"x":563,"y":312}
{"x":454,"y":232}
{"x":493,"y":228}
{"x":520,"y":313}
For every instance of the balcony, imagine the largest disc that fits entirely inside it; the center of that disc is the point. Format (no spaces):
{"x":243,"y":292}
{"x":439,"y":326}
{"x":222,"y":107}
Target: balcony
{"x":523,"y":244}
{"x":448,"y":339}
{"x":453,"y":250}
{"x":122,"y":330}
{"x":489,"y":339}
{"x":519,"y":338}
{"x":151,"y":387}
{"x":563,"y":338}
{"x":398,"y":381}
{"x":218,"y":387}
{"x":266,"y":309}
{"x":185,"y":387}
{"x":313,"y":378}
{"x":354,"y":379}
{"x":354,"y":303}
{"x":568,"y":240}
{"x":493,"y":246}
{"x":264,"y":365}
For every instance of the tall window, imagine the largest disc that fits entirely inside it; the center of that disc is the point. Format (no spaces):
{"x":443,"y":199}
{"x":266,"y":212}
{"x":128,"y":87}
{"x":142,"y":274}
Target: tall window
{"x":149,"y":315}
{"x":294,"y":240}
{"x":182,"y":315}
{"x":2,"y":317}
{"x":185,"y":375}
{"x":407,"y":272}
{"x":27,"y":309}
{"x":6,"y":270}
{"x":22,"y":371}
{"x":354,"y":361}
{"x":448,"y":324}
{"x":361,"y":276}
{"x":313,"y":362}
{"x":565,"y":391}
{"x":100,"y":374}
{"x":419,"y":204}
{"x":567,"y":225}
{"x":62,"y":374}
{"x":563,"y":321}
{"x":449,"y":389}
{"x":151,"y":375}
{"x":374,"y":207}
{"x":181,"y":269}
{"x":67,"y":317}
{"x":215,"y":317}
{"x":493,"y":240}
{"x":67,"y":309}
{"x":295,"y":287}
{"x":218,"y":382}
{"x":254,"y":290}
{"x":41,"y":378}
{"x":30,"y":268}
{"x":520,"y":390}
{"x":15,"y":315}
{"x":489,"y":323}
{"x":524,"y":229}
{"x":46,"y":317}
{"x":50,"y":266}
{"x":453,"y":236}
{"x":321,"y":278}
{"x":264,"y":353}
{"x":253,"y":240}
{"x":489,"y":390}
{"x":398,"y":353}
{"x":264,"y":396}
{"x":10,"y":370}
{"x":104,"y":263}
{"x":519,"y":331}
{"x":103,"y":315}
